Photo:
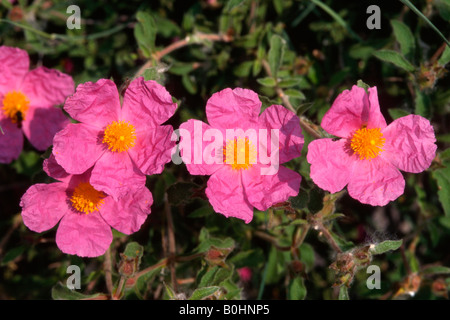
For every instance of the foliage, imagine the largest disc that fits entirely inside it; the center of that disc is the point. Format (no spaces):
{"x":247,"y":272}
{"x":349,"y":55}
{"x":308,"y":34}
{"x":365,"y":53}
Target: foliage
{"x":300,"y":54}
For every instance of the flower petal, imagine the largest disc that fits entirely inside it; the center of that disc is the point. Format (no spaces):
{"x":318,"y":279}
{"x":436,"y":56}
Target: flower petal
{"x":227,"y":195}
{"x":14,"y":64}
{"x":153,"y":149}
{"x":41,"y":125}
{"x":147,"y":104}
{"x":290,"y":133}
{"x":54,"y":170}
{"x":43,"y":205}
{"x":238,"y":108}
{"x":128,"y":213}
{"x":85,"y":235}
{"x":194,"y":160}
{"x":351,"y":110}
{"x":331,"y":164}
{"x":77,"y":147}
{"x":263,"y":191}
{"x":11,"y":141}
{"x":47,"y":87}
{"x":410,"y":143}
{"x":375,"y":182}
{"x":96,"y":104}
{"x":116,"y":174}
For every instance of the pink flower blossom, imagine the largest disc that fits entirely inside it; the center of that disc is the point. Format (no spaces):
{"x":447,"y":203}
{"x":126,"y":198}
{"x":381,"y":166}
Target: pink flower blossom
{"x":85,"y":215}
{"x":121,"y":143}
{"x":235,"y":189}
{"x":370,"y":153}
{"x":245,"y":274}
{"x":27,"y":103}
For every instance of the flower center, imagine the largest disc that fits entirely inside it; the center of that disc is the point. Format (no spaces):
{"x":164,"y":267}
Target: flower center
{"x":15,"y":106}
{"x":119,"y":136}
{"x":86,"y":199}
{"x":239,"y":153}
{"x":367,"y":143}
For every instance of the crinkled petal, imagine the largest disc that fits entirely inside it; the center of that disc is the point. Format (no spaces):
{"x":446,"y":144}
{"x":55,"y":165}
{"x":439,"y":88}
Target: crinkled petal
{"x":14,"y":65}
{"x":351,"y":110}
{"x":289,"y":131}
{"x":54,"y":170}
{"x":96,"y":104}
{"x":196,"y":158}
{"x":226,"y":194}
{"x":410,"y":143}
{"x":263,"y":191}
{"x":11,"y":141}
{"x":47,"y":87}
{"x":147,"y":104}
{"x":84,"y":235}
{"x":331,"y":163}
{"x":375,"y":182}
{"x":43,"y":205}
{"x":116,"y":174}
{"x":153,"y":149}
{"x":128,"y":213}
{"x":41,"y":125}
{"x":77,"y":147}
{"x":237,"y":108}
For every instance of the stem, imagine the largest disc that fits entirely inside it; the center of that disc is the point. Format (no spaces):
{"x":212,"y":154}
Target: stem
{"x":326,"y":233}
{"x":118,"y":293}
{"x":272,"y":240}
{"x":107,"y":266}
{"x":17,"y":222}
{"x":172,"y":245}
{"x":157,"y":56}
{"x":288,"y":104}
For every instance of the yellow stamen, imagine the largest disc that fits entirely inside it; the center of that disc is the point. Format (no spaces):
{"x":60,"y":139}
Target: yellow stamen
{"x":119,"y":136}
{"x":233,"y":155}
{"x":86,"y":199}
{"x":15,"y":103}
{"x":367,"y":143}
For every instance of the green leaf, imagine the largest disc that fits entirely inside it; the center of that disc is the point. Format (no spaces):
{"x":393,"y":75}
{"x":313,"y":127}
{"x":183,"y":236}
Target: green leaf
{"x":169,"y":291}
{"x":145,"y":33}
{"x":202,"y":293}
{"x":297,"y":289}
{"x":445,"y":57}
{"x":288,"y":82}
{"x":443,"y":7}
{"x":396,"y":113}
{"x":276,"y":53}
{"x":422,"y":104}
{"x":134,"y":250}
{"x":243,"y":70}
{"x":61,"y":292}
{"x":28,"y":163}
{"x":231,"y":4}
{"x":189,"y":84}
{"x":394,"y":58}
{"x":436,"y":270}
{"x":307,"y":256}
{"x":386,"y":246}
{"x":12,"y":254}
{"x":363,"y":85}
{"x":442,"y":177}
{"x":267,"y":82}
{"x":404,"y":37}
{"x":343,"y":293}
{"x":295,"y":94}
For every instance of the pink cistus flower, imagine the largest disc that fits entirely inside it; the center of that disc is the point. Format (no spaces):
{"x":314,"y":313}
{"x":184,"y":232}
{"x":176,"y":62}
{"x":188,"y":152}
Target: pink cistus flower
{"x":121,"y":143}
{"x":27,"y":103}
{"x":242,"y":178}
{"x":85,"y":215}
{"x":370,"y":153}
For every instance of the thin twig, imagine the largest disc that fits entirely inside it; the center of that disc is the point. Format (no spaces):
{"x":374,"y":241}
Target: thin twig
{"x":107,"y":266}
{"x":172,"y":245}
{"x":157,"y":56}
{"x":17,"y":222}
{"x":326,"y":233}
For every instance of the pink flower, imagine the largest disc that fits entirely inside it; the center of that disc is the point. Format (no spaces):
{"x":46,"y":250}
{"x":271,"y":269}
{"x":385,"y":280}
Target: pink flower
{"x":245,"y":274}
{"x":27,"y":103}
{"x":240,"y":179}
{"x":85,"y":215}
{"x":122,"y":144}
{"x":370,"y":153}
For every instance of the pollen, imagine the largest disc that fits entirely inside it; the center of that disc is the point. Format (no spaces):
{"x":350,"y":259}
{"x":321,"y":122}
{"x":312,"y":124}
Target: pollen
{"x":86,"y":199}
{"x":15,"y":106}
{"x":367,"y":143}
{"x":239,"y":153}
{"x":119,"y":136}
